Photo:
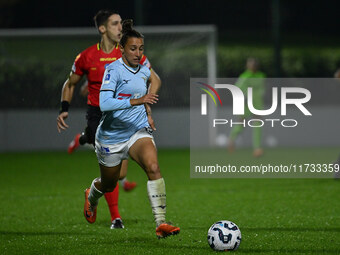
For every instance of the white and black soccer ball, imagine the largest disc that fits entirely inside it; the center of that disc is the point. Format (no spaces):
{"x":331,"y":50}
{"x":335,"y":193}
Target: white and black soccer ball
{"x":224,"y":235}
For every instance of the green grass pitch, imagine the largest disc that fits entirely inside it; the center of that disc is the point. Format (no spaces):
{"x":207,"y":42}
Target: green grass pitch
{"x":42,"y":198}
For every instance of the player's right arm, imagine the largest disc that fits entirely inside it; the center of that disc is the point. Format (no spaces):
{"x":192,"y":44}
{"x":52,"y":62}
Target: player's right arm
{"x":107,"y":101}
{"x":66,"y":98}
{"x":84,"y":89}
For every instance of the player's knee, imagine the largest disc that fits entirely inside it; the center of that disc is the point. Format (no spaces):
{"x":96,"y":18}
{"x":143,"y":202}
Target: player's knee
{"x":152,"y":169}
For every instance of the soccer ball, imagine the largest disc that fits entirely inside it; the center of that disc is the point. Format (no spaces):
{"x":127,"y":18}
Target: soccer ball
{"x":224,"y":236}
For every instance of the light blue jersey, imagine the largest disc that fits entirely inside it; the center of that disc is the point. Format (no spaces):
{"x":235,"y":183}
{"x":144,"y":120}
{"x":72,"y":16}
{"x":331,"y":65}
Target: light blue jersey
{"x":120,"y":120}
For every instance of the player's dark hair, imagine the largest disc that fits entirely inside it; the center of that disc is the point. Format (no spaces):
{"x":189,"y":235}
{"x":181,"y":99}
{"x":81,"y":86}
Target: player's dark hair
{"x":102,"y":16}
{"x":128,"y":32}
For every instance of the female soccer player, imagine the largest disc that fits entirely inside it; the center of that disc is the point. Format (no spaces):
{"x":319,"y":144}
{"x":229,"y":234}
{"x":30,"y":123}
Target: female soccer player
{"x":91,"y":62}
{"x":124,"y":130}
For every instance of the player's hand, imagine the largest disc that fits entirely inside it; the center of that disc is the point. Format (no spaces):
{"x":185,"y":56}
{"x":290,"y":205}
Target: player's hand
{"x":61,"y":125}
{"x":147,"y":99}
{"x":151,"y":122}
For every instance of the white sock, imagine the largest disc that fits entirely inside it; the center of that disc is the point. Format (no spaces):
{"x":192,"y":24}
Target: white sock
{"x":157,"y":197}
{"x":122,"y":181}
{"x":94,"y":195}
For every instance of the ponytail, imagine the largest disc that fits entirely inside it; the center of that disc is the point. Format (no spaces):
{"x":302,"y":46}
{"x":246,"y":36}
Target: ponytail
{"x":128,"y":32}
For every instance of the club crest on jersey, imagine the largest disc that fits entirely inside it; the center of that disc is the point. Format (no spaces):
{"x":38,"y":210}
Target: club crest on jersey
{"x":144,"y":78}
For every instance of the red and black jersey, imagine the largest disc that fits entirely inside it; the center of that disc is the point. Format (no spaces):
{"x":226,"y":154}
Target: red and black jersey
{"x":92,"y":63}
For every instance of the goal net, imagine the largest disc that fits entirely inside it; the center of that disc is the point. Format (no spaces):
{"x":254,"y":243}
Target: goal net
{"x":34,"y":63}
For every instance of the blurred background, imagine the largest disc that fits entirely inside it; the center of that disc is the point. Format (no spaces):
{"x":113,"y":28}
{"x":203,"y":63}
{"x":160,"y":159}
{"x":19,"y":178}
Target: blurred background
{"x":39,"y":41}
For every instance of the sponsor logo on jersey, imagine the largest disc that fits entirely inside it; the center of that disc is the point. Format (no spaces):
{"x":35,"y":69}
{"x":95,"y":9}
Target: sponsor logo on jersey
{"x":126,"y":81}
{"x":136,"y":95}
{"x":107,"y":59}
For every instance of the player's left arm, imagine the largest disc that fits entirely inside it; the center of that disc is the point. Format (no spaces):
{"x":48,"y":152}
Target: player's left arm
{"x":154,"y":82}
{"x":154,"y":86}
{"x":150,"y":119}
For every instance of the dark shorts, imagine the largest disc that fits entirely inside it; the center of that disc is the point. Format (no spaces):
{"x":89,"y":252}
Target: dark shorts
{"x":93,"y":117}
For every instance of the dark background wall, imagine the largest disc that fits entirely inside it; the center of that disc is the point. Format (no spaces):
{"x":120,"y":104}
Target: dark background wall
{"x":309,"y":39}
{"x":308,"y":16}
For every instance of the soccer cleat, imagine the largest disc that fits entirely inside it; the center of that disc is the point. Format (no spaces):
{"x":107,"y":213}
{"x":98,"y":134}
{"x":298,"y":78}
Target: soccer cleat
{"x":74,"y":144}
{"x":128,"y":186}
{"x":117,"y":223}
{"x":166,"y":229}
{"x":90,"y":212}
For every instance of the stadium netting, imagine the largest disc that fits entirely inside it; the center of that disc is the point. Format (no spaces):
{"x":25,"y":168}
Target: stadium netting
{"x":34,"y":63}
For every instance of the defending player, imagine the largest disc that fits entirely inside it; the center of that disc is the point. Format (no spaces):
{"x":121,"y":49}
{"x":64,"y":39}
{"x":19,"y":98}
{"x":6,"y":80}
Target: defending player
{"x":124,"y":130}
{"x":91,"y":62}
{"x":254,"y":78}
